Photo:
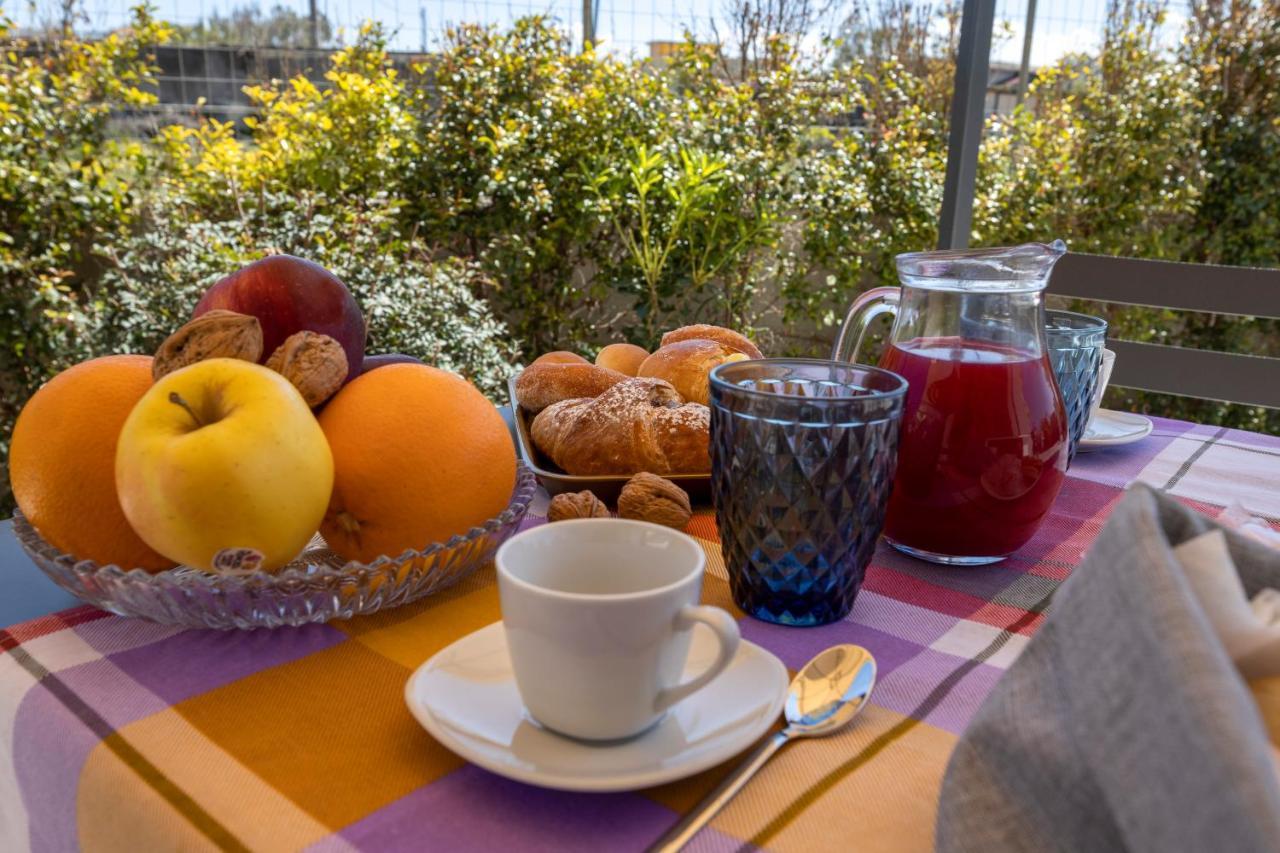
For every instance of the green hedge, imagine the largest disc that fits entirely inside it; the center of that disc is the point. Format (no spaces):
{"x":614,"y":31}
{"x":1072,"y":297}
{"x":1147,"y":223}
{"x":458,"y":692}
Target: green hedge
{"x":512,"y":195}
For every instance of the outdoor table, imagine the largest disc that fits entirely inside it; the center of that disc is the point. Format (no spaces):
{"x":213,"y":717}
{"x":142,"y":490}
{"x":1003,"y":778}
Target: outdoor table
{"x":117,"y":733}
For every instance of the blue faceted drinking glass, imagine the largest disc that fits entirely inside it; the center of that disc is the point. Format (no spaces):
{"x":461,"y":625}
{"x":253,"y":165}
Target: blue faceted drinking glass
{"x":803,"y":453}
{"x":1076,"y":342}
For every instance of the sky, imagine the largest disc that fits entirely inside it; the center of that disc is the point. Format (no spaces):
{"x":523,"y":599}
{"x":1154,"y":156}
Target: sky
{"x":625,"y":27}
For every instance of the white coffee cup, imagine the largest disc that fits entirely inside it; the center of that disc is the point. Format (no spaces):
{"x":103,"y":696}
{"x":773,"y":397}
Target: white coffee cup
{"x":598,"y":615}
{"x":1104,"y":377}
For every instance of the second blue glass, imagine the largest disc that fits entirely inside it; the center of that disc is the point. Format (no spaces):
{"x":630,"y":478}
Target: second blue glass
{"x":1075,"y":344}
{"x":803,"y":454}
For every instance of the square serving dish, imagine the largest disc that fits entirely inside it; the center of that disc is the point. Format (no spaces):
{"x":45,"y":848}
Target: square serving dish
{"x":605,"y":486}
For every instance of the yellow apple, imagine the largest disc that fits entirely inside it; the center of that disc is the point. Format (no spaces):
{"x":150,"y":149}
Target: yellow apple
{"x":222,"y":459}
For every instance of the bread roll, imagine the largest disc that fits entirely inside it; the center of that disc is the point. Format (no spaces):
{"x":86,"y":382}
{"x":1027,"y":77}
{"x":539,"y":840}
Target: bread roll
{"x":560,"y":357}
{"x":637,"y":425}
{"x":624,"y":358}
{"x":719,"y":334}
{"x":547,"y":382}
{"x":687,"y":366}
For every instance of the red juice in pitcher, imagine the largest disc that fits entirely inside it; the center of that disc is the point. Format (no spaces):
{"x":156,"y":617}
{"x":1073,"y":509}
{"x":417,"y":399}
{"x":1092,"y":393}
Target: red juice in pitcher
{"x":983,"y":450}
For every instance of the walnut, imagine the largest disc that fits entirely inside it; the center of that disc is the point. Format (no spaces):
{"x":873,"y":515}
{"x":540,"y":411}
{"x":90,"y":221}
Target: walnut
{"x":576,"y":505}
{"x":648,"y":497}
{"x":217,"y":334}
{"x":314,"y":363}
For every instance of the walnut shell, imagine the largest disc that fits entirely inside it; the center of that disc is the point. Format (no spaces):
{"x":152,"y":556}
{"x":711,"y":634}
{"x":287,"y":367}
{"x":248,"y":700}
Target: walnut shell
{"x":217,"y":334}
{"x":648,"y":497}
{"x":576,"y":505}
{"x":314,"y":363}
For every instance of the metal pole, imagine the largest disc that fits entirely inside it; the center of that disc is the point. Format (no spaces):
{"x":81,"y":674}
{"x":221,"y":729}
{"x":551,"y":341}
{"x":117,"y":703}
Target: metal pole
{"x":1025,"y":69}
{"x":972,"y":66}
{"x":315,"y":25}
{"x":588,"y":25}
{"x":422,"y":27}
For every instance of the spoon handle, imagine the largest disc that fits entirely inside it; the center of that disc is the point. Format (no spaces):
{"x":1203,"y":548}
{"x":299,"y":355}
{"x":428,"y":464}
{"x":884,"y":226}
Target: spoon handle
{"x":688,"y":826}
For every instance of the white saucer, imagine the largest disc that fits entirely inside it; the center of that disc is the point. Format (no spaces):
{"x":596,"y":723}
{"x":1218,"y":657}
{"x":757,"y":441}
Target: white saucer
{"x":1109,"y":429}
{"x":466,"y":698}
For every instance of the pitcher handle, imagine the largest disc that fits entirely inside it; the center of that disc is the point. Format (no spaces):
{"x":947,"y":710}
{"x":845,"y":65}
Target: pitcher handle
{"x":867,"y":307}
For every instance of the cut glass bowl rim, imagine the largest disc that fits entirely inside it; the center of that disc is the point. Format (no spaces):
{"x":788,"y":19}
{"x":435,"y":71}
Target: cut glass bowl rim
{"x":302,"y":569}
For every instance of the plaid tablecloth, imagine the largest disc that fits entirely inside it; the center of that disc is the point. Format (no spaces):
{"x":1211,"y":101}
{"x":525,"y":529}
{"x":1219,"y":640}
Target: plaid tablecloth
{"x":120,"y":734}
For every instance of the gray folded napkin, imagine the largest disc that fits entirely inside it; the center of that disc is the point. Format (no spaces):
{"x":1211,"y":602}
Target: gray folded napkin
{"x":1125,"y":724}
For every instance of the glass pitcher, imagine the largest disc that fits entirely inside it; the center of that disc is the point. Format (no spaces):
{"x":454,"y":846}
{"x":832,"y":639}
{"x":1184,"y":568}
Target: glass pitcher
{"x":983,"y":450}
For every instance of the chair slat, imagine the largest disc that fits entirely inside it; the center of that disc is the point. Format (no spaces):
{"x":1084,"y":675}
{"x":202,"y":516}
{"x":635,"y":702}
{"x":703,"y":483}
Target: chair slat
{"x":1229,"y":377}
{"x":1245,"y":291}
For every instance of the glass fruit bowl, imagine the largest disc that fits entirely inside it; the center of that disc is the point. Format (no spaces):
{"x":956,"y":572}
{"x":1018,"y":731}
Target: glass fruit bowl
{"x":316,"y":587}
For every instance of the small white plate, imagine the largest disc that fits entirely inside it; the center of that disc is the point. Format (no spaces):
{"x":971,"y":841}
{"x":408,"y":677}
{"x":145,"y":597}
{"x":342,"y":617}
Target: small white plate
{"x":1108,"y":428}
{"x":466,"y":697}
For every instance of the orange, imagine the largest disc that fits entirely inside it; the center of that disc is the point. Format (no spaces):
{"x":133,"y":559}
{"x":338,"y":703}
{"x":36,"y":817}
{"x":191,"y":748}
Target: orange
{"x":62,"y":462}
{"x":418,"y":456}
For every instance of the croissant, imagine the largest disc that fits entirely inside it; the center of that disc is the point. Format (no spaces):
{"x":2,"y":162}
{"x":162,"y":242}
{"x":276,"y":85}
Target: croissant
{"x":719,"y":334}
{"x":687,"y":365}
{"x":637,"y":425}
{"x":549,"y":381}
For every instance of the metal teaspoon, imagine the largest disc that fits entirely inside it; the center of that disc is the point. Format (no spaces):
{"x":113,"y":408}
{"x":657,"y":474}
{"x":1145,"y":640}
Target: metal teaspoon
{"x":825,"y":695}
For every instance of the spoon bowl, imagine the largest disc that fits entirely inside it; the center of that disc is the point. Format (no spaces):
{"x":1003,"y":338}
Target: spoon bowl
{"x":830,"y":690}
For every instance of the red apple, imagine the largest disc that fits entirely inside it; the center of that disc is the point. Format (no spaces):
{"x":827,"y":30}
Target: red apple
{"x":289,"y":295}
{"x":372,"y":362}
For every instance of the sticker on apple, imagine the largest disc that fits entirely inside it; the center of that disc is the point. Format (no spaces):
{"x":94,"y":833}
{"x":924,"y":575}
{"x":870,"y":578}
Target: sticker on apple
{"x":237,"y":560}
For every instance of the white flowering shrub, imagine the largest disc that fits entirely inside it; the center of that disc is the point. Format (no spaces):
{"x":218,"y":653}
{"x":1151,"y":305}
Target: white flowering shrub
{"x":431,"y":309}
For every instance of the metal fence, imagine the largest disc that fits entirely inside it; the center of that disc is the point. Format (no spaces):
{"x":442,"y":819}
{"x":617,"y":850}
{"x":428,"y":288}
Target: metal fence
{"x":213,"y":75}
{"x":625,"y":27}
{"x":211,"y":78}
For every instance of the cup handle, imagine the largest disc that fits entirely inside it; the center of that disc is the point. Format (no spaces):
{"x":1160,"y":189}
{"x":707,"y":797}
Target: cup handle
{"x":727,"y":635}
